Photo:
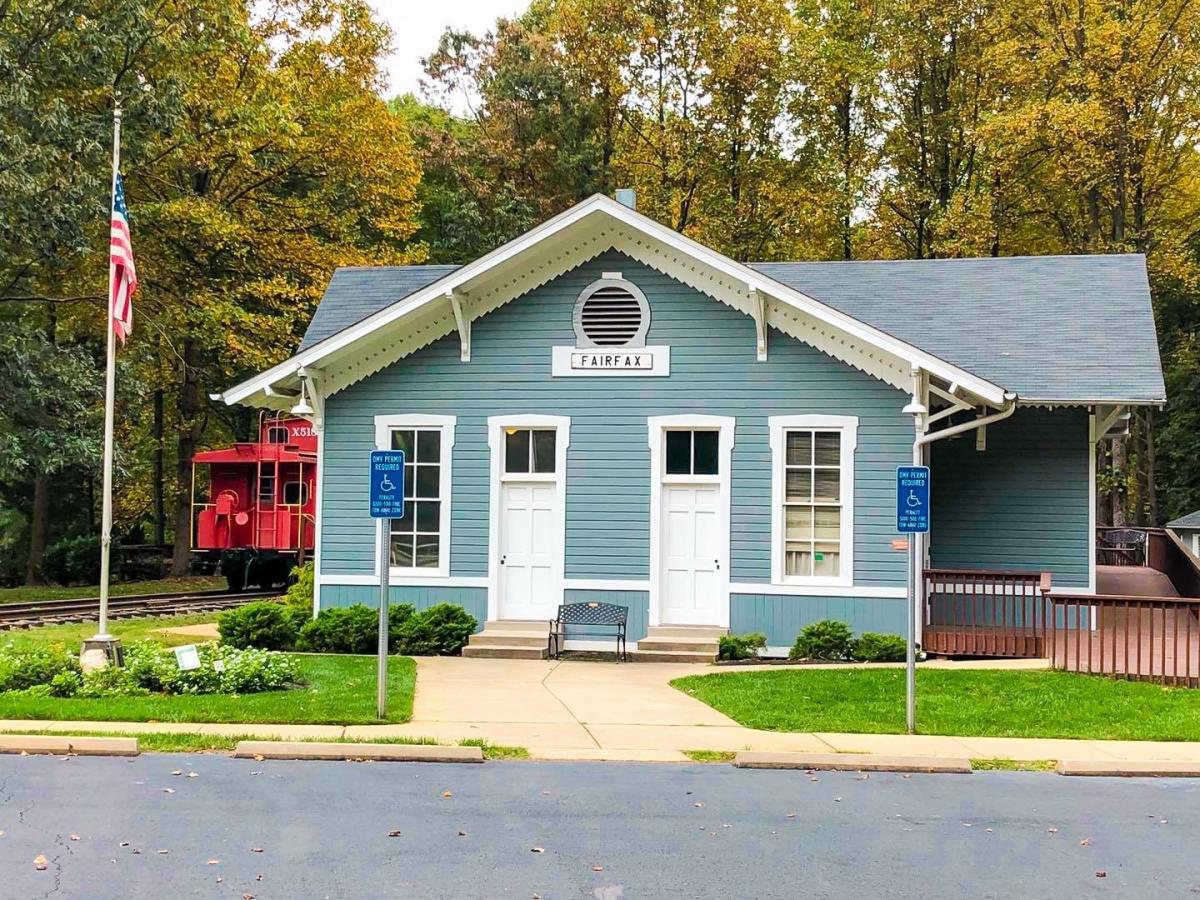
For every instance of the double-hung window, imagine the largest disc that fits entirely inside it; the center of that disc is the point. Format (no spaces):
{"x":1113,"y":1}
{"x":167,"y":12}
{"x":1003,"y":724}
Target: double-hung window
{"x":813,"y":499}
{"x":420,"y":541}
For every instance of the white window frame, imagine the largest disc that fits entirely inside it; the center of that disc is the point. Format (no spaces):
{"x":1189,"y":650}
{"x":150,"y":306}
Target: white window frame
{"x":779,"y":426}
{"x":657,"y":427}
{"x":495,"y":438}
{"x":384,"y":426}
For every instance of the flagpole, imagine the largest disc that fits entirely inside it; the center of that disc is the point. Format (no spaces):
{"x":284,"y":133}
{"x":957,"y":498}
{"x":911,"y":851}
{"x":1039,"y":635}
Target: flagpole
{"x":110,"y":383}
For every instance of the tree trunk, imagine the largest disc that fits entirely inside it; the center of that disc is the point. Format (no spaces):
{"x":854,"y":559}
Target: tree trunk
{"x":1119,"y":465}
{"x":188,"y":436}
{"x":39,"y":529}
{"x":160,"y":512}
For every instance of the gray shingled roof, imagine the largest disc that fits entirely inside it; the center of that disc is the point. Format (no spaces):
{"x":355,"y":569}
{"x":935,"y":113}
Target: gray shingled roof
{"x":1048,"y":327}
{"x":1191,"y":520}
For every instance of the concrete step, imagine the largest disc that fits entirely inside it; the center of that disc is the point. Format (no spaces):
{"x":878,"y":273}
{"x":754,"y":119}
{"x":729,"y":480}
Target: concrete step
{"x":489,"y":638}
{"x":660,"y":644}
{"x":677,"y":656}
{"x":502,"y":651}
{"x":686,"y":632}
{"x":533,"y":626}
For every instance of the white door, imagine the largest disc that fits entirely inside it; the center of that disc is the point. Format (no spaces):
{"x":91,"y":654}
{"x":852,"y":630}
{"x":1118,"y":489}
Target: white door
{"x":530,"y":558}
{"x":691,"y":554}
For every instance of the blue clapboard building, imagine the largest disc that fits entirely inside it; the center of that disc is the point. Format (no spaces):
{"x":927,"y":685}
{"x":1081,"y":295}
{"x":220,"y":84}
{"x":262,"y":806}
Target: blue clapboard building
{"x":605,"y":409}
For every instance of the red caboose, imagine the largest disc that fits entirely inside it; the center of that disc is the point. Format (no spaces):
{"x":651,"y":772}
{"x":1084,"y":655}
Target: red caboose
{"x":259,"y":518}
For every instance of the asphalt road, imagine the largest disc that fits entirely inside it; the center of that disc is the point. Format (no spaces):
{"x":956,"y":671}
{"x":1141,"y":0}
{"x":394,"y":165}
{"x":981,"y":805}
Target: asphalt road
{"x":240,"y":828}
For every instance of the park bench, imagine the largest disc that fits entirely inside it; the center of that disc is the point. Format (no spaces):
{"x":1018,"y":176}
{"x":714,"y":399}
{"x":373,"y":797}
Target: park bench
{"x":586,"y":616}
{"x":1122,"y":547}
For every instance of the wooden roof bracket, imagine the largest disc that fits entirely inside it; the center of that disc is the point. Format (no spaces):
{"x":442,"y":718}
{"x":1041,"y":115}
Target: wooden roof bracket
{"x":758,"y":307}
{"x":463,"y":322}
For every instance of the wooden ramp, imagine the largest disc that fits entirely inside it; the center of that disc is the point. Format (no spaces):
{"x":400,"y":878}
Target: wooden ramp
{"x":1133,"y":581}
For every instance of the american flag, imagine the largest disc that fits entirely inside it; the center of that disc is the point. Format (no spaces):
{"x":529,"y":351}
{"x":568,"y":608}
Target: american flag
{"x":122,"y":274}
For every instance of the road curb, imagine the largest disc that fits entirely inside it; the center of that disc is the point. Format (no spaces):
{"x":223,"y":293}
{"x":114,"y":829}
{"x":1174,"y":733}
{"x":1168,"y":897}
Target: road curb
{"x":344,"y":751}
{"x":67,"y":743}
{"x":851,"y":762}
{"x":1129,"y":768}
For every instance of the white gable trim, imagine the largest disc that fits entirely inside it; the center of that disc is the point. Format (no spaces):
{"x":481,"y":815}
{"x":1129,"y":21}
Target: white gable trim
{"x":641,"y":237}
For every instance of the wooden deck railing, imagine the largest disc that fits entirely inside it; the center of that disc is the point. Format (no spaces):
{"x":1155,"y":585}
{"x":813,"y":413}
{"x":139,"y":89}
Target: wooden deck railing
{"x":982,"y":613}
{"x":1139,"y":638}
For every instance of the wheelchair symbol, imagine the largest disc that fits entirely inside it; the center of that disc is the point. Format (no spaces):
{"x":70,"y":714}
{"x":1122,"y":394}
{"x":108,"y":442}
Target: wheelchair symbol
{"x":913,"y":500}
{"x":386,"y":484}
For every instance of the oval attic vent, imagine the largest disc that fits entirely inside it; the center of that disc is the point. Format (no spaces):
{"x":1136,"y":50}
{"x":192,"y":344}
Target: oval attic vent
{"x":611,"y":313}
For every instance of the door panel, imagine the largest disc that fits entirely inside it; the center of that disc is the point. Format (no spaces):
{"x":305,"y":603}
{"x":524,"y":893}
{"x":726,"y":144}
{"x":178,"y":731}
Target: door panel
{"x":692,"y":550}
{"x":530,"y":557}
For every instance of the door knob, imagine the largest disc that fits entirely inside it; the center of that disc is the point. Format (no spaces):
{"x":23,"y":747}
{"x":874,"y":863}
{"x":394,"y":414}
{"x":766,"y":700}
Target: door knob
{"x":717,"y":563}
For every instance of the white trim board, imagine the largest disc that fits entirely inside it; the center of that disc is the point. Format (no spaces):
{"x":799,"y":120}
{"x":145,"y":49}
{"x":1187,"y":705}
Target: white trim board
{"x":656,"y":428}
{"x":606,"y":584}
{"x":766,"y":589}
{"x":583,"y":231}
{"x":429,"y":581}
{"x":495,"y":429}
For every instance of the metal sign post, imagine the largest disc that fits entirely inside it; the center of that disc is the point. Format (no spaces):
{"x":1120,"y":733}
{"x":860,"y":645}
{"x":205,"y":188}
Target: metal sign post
{"x":387,"y":502}
{"x":912,"y":518}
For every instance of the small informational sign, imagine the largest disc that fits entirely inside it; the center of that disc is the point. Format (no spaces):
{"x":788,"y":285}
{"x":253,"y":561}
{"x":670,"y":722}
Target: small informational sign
{"x":387,"y":484}
{"x":912,"y":499}
{"x":187,"y":657}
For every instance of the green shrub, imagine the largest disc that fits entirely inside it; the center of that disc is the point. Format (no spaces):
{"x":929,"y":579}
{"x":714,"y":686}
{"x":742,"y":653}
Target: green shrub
{"x":110,"y":681}
{"x":73,"y":560}
{"x":267,"y":626}
{"x":25,"y":668}
{"x":440,"y":630}
{"x":349,"y":629}
{"x":299,"y":596}
{"x":740,"y":646}
{"x":65,"y":684}
{"x":874,"y":647}
{"x":828,"y":639}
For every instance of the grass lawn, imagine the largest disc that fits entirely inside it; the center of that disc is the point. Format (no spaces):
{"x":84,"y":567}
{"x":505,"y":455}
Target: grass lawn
{"x":976,"y":703}
{"x":72,"y":636}
{"x":166,"y":585}
{"x":339,"y":690}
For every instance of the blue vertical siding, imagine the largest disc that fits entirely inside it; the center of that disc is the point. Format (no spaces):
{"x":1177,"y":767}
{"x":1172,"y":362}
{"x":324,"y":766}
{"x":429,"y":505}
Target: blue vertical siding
{"x":1021,"y":504}
{"x":782,"y":618}
{"x":713,"y":371}
{"x":473,"y":600}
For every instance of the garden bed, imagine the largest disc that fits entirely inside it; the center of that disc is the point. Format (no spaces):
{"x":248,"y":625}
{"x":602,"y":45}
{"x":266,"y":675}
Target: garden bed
{"x":977,"y":703}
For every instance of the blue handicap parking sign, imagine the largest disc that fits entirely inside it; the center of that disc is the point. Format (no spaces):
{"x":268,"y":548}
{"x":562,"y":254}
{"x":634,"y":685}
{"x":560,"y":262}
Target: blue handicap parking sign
{"x":912,"y":499}
{"x":387,"y":484}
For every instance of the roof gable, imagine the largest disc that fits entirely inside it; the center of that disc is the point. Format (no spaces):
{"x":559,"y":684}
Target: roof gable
{"x":885,"y":318}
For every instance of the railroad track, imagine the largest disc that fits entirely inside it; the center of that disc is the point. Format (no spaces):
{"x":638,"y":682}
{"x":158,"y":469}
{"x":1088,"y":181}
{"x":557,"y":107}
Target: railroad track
{"x":58,"y":612}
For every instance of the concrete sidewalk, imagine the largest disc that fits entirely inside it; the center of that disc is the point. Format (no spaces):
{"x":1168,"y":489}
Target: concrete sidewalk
{"x":590,"y":710}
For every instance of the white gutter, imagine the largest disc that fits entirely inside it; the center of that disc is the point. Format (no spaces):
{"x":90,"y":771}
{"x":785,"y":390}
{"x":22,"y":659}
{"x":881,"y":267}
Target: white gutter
{"x":1010,"y":407}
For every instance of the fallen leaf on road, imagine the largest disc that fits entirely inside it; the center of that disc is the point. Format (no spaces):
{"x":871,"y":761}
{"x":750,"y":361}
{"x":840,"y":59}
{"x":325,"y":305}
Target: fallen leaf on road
{"x":137,"y":852}
{"x":837,"y":799}
{"x":989,"y":831}
{"x":447,"y":793}
{"x":168,"y":790}
{"x":462,"y":834}
{"x":1100,"y":873}
{"x":258,"y":877}
{"x":256,"y":849}
{"x":597,"y":868}
{"x":214,"y":862}
{"x":791,"y":815}
{"x":74,"y":837}
{"x":124,"y":843}
{"x":1086,"y":842}
{"x":219,"y":879}
{"x":177,"y":772}
{"x":247,"y":897}
{"x":537,"y":849}
{"x":39,"y":862}
{"x":193,"y":774}
{"x":258,"y":757}
{"x":697,"y":804}
{"x":164,"y":852}
{"x":865,"y":776}
{"x":906,"y":777}
{"x":393,"y":834}
{"x":1052,"y":831}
